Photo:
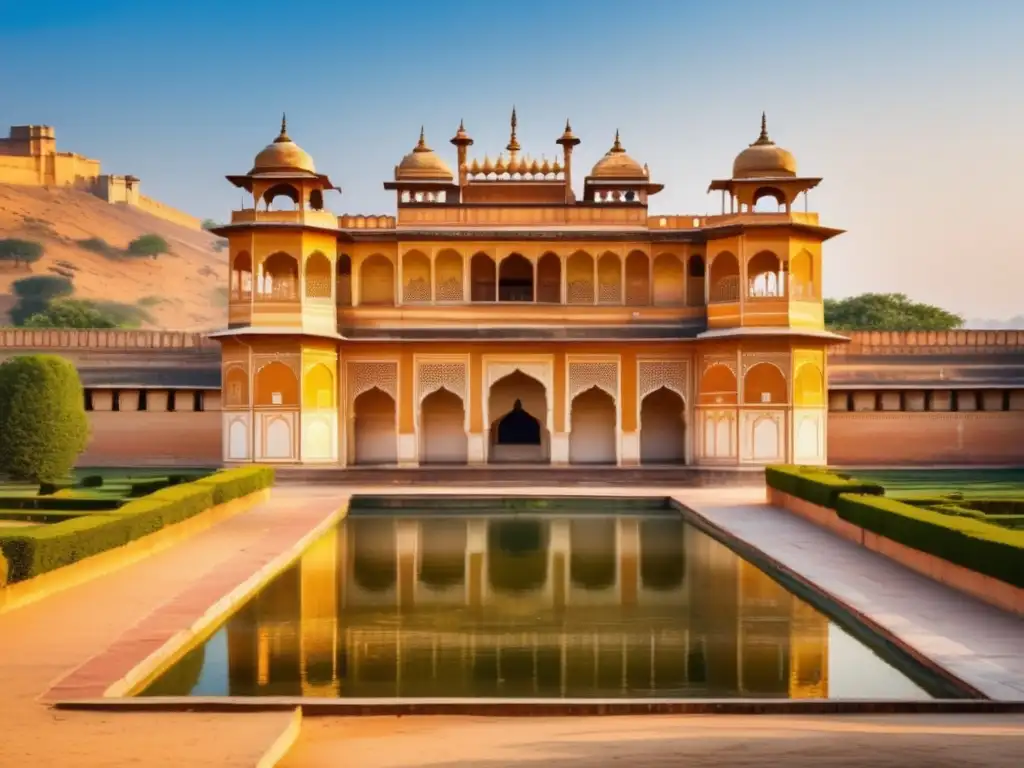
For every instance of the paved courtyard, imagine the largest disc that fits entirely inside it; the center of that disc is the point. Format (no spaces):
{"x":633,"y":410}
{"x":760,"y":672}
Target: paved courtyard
{"x":75,"y":643}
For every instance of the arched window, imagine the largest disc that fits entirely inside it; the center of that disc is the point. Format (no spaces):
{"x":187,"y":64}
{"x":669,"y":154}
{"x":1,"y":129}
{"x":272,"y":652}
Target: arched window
{"x":725,"y":278}
{"x":278,"y":278}
{"x":318,"y":276}
{"x":515,"y":278}
{"x":241,"y":277}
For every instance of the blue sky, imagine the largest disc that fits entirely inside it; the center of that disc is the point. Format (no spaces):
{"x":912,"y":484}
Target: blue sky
{"x":911,"y":111}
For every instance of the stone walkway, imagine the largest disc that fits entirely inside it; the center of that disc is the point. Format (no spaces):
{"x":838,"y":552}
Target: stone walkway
{"x":977,"y":643}
{"x":83,"y":639}
{"x":661,"y":742}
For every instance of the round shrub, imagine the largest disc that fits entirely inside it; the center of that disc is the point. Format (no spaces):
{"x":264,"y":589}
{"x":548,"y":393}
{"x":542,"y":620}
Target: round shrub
{"x":148,"y":245}
{"x":43,"y":287}
{"x":42,"y":417}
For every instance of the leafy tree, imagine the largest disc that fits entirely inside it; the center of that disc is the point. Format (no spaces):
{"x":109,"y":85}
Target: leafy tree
{"x":148,"y":245}
{"x":46,"y":287}
{"x":210,"y":224}
{"x":20,"y":251}
{"x":100,"y":246}
{"x":36,"y":293}
{"x":70,"y":313}
{"x":42,"y":417}
{"x":887,"y":312}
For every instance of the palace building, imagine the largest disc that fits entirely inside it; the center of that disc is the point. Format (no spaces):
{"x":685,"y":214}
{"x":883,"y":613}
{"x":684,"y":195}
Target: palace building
{"x":502,"y":317}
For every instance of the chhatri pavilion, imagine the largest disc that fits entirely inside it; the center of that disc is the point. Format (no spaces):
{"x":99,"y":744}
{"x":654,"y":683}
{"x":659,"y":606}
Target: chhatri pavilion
{"x":501,"y":316}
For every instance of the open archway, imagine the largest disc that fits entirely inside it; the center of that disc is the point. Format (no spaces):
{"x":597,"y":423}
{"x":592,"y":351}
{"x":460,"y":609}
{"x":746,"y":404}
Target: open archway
{"x":416,"y":274}
{"x":375,"y":435}
{"x":724,"y":278}
{"x":579,"y":278}
{"x":483,"y":277}
{"x":663,"y":428}
{"x":638,"y":279}
{"x":448,"y":277}
{"x":515,"y":279}
{"x":764,"y":275}
{"x":443,"y":429}
{"x":517,"y":407}
{"x":549,"y":279}
{"x":241,"y":277}
{"x":278,"y":278}
{"x":343,"y":280}
{"x":593,"y":436}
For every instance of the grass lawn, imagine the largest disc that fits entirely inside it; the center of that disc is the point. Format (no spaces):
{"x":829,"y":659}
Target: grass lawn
{"x":911,"y":483}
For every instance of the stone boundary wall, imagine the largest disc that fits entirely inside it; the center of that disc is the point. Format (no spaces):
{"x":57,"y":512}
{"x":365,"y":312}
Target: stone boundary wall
{"x":977,"y":585}
{"x":56,"y":339}
{"x":167,"y":213}
{"x":923,"y":343}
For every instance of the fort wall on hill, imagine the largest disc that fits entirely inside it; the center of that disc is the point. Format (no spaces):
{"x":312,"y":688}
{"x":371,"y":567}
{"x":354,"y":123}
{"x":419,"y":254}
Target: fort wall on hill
{"x":895,"y":399}
{"x":29,"y":157}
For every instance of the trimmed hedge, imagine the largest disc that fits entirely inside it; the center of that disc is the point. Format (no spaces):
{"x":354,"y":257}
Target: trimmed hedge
{"x":816,"y":484}
{"x":39,"y":550}
{"x":4,"y":569}
{"x":60,"y":503}
{"x":92,"y":481}
{"x":975,"y":544}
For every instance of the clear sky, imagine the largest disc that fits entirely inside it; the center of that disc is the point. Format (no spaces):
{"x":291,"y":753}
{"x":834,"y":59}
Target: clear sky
{"x":911,"y":110}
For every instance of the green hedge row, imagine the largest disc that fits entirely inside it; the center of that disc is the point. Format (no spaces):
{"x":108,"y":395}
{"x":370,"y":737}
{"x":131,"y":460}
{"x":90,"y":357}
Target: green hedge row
{"x":975,"y":533}
{"x":816,"y":484}
{"x":972,"y":543}
{"x":60,"y":503}
{"x":39,"y":550}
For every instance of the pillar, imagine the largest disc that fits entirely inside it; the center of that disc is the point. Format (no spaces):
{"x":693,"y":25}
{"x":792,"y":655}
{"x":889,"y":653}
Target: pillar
{"x":408,"y":440}
{"x":559,"y":432}
{"x":475,"y":394}
{"x":629,"y":436}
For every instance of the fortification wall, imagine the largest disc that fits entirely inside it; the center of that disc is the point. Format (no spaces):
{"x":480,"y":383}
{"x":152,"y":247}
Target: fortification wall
{"x":167,"y":212}
{"x":24,"y":171}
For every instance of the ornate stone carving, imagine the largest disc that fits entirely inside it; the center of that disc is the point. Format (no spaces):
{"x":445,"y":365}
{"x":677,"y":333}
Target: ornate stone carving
{"x":365,"y":375}
{"x":449,"y":289}
{"x":655,"y":374}
{"x":601,"y":374}
{"x":447,"y":375}
{"x":416,"y":291}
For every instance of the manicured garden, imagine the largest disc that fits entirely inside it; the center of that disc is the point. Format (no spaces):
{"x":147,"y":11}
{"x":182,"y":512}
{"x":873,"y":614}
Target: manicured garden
{"x":52,"y":515}
{"x":975,"y":520}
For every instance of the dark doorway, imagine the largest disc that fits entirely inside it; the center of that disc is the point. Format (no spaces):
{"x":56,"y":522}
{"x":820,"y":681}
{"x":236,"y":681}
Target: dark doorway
{"x":515,"y":279}
{"x":518,"y":427}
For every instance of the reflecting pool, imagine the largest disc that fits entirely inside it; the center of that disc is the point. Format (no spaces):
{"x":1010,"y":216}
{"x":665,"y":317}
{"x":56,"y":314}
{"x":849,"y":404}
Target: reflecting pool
{"x":551,"y":606}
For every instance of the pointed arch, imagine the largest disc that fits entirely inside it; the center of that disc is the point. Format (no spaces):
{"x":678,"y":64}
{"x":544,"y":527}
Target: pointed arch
{"x":724,"y":278}
{"x":802,"y":282}
{"x":764,"y":384}
{"x":442,"y":426}
{"x":278,"y":278}
{"x":579,"y":276}
{"x":809,"y":386}
{"x":609,"y":278}
{"x":318,"y":389}
{"x":638,"y":279}
{"x":483,"y":275}
{"x":241,"y":276}
{"x":718,"y":385}
{"x":318,"y":276}
{"x":374,"y":427}
{"x":764,"y":275}
{"x":448,"y":282}
{"x":236,"y":386}
{"x":593,"y":434}
{"x":377,"y":281}
{"x":669,"y":280}
{"x":517,"y":406}
{"x":663,"y":428}
{"x":515,"y":279}
{"x":416,"y":277}
{"x":276,"y":386}
{"x":549,"y":279}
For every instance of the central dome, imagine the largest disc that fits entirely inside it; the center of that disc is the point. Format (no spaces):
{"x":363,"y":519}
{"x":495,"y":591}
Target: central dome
{"x":283,"y":155}
{"x":422,"y":164}
{"x":616,"y":164}
{"x":764,"y":159}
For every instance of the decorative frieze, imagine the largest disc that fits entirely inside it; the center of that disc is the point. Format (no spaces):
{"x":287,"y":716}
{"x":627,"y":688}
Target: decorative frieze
{"x":586,"y":374}
{"x":433,"y":376}
{"x":364,"y":375}
{"x":655,"y":374}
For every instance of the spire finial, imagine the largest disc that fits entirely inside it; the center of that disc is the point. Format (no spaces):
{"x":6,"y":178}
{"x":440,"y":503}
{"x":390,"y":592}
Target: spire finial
{"x":513,"y":142}
{"x":283,"y":136}
{"x":617,"y":146}
{"x":764,"y":138}
{"x":568,"y":128}
{"x":421,"y":145}
{"x":462,"y":124}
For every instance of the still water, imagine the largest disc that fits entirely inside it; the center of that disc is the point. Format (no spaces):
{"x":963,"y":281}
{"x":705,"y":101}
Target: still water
{"x":573,"y":606}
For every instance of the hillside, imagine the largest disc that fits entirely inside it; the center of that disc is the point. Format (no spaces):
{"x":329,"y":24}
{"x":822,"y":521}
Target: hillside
{"x":182,"y":290}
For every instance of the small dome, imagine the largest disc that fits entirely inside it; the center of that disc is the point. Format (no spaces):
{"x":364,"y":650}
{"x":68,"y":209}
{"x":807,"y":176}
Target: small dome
{"x":422,"y":164}
{"x":764,"y":159}
{"x":283,"y":155}
{"x":616,"y":164}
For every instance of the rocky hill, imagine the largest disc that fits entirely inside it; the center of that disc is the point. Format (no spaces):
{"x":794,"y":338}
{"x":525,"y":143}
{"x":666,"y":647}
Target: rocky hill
{"x":84,"y":239}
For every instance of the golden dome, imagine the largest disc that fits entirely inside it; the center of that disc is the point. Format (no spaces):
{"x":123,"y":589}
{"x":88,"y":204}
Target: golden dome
{"x":422,"y":163}
{"x":616,"y":164}
{"x":764,"y":159}
{"x":283,"y":155}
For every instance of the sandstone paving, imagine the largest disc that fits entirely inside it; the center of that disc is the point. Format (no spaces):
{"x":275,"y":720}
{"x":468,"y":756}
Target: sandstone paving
{"x":55,"y":641}
{"x":655,"y":741}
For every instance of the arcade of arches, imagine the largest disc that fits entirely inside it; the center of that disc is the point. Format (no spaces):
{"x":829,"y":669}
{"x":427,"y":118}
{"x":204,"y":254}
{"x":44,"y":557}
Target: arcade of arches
{"x":482,"y":407}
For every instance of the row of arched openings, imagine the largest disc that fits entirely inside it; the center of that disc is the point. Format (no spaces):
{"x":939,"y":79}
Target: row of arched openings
{"x":517,"y":554}
{"x":636,"y":281}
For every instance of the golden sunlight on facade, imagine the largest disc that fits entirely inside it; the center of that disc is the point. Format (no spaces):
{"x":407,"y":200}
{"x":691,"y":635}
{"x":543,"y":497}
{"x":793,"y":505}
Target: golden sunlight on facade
{"x":501,"y":318}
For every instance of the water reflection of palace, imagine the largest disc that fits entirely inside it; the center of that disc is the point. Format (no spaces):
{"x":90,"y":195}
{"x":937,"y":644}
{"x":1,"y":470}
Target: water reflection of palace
{"x":546,"y":607}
